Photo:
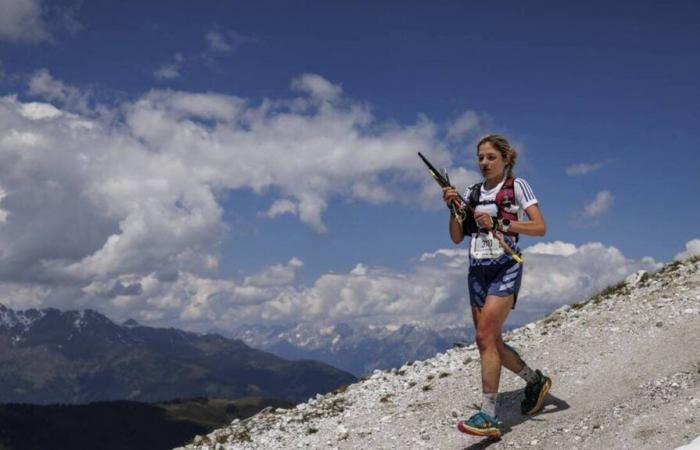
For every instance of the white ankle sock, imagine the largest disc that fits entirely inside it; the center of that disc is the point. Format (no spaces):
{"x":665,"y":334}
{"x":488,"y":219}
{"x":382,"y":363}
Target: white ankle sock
{"x":488,"y":403}
{"x":528,"y":374}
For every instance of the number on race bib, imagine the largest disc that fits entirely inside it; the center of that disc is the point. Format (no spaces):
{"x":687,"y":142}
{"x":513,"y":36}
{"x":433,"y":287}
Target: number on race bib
{"x":484,"y":246}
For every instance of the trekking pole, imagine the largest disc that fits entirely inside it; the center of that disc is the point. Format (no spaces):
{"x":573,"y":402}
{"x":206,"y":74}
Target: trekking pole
{"x":460,"y":207}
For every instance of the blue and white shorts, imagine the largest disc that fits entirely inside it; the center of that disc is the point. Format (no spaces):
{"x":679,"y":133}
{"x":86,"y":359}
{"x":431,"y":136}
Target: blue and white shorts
{"x":497,"y":279}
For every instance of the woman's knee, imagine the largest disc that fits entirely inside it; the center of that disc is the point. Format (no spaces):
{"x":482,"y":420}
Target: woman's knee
{"x":487,"y":338}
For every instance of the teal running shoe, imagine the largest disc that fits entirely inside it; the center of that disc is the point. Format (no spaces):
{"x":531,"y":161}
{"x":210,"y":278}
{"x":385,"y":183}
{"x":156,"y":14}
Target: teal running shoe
{"x":535,"y":393}
{"x":481,"y":424}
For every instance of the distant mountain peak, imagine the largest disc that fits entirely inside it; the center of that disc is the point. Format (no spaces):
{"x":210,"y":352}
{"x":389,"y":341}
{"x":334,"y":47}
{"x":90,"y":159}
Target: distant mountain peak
{"x":131,"y":323}
{"x":18,"y":321}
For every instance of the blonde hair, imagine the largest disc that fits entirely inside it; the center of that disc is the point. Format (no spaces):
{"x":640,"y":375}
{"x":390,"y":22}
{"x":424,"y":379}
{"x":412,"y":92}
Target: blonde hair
{"x":504,"y":148}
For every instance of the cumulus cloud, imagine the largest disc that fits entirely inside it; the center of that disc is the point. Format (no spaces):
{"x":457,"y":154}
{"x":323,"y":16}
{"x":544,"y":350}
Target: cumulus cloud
{"x":585,"y":168}
{"x":558,"y":273}
{"x":602,"y":202}
{"x":275,"y":275}
{"x":101,"y":201}
{"x":280,"y":207}
{"x":43,"y":84}
{"x":317,"y":86}
{"x":170,"y":70}
{"x":226,"y":41}
{"x":34,"y":21}
{"x":120,"y":211}
{"x":692,"y":248}
{"x":21,"y":21}
{"x":468,"y":122}
{"x":433,"y":291}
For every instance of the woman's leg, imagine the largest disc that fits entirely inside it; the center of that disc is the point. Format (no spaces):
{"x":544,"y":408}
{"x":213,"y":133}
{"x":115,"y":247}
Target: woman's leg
{"x":488,"y":322}
{"x":509,"y":358}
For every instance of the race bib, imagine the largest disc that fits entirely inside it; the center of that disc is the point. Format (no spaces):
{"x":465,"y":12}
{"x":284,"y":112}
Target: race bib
{"x":484,"y":246}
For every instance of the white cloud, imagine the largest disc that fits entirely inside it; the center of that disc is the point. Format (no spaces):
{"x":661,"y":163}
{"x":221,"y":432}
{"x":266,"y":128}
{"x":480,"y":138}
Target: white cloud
{"x":275,"y":275}
{"x":171,"y":70}
{"x":585,"y":168}
{"x":600,"y":205}
{"x":38,"y":111}
{"x":692,"y":248}
{"x":280,"y":207}
{"x":21,"y":21}
{"x":43,"y":85}
{"x":226,"y":41}
{"x":433,"y":291}
{"x":317,"y":87}
{"x":120,"y":210}
{"x":34,"y":21}
{"x":95,"y":193}
{"x":564,"y":272}
{"x":557,"y":248}
{"x":466,"y":123}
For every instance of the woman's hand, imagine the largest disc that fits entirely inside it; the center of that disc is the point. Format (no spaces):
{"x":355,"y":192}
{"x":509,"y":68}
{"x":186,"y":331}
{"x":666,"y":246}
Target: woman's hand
{"x":449,"y":195}
{"x":484,"y":221}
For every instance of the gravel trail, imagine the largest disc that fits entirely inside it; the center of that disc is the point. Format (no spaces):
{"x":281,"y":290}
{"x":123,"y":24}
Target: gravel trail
{"x":625,"y":367}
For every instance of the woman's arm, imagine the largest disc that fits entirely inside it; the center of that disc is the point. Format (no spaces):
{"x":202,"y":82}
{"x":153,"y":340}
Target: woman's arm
{"x":533,"y":227}
{"x":456,"y":232}
{"x":449,"y":195}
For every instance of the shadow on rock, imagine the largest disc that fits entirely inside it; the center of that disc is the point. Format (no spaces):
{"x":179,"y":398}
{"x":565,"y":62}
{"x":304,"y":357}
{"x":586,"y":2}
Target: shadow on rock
{"x":509,"y":409}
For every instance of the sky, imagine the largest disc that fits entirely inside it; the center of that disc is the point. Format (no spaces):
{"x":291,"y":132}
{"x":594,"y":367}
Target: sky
{"x":208,"y":164}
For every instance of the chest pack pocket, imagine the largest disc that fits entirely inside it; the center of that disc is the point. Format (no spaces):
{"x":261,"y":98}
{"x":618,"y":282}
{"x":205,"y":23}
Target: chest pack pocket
{"x":505,"y":204}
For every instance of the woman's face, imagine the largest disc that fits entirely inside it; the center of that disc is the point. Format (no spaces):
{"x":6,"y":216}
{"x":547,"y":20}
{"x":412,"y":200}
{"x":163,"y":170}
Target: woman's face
{"x":491,"y":161}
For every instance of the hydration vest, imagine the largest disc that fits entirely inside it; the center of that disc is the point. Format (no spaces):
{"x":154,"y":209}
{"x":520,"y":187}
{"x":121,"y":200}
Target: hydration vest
{"x":505,"y":203}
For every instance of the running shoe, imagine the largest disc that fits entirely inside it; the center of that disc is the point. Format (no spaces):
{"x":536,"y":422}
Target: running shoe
{"x":535,"y":393}
{"x":481,"y":424}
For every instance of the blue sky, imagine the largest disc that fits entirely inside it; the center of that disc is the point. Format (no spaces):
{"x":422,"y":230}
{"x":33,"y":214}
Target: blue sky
{"x":600,"y":98}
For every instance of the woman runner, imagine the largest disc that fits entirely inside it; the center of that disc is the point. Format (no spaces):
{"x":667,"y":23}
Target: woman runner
{"x":494,"y":276}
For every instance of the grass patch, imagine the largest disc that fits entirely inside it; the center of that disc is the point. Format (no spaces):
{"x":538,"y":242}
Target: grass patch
{"x":616,"y":289}
{"x":340,"y":389}
{"x":644,"y":279}
{"x":670,"y":267}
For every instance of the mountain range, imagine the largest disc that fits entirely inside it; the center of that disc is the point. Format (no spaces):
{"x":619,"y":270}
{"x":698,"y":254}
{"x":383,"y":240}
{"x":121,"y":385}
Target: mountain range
{"x":356,"y":348}
{"x":51,"y":356}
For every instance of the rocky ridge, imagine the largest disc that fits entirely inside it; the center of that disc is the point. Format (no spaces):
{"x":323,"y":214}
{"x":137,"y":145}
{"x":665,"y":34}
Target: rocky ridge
{"x":356,"y":348}
{"x":626,"y":375}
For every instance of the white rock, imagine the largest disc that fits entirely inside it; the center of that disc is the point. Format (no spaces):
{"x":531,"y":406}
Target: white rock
{"x":341,"y":432}
{"x":634,"y":278}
